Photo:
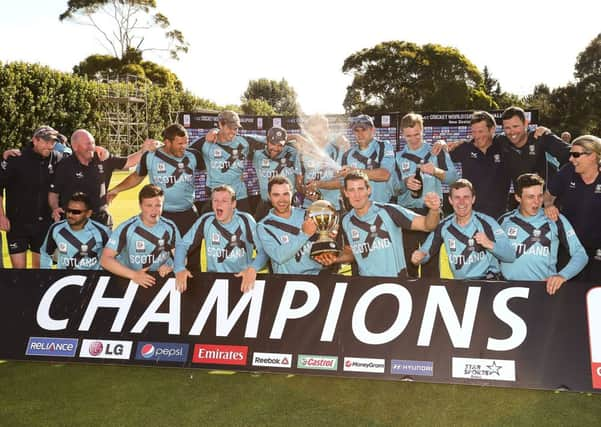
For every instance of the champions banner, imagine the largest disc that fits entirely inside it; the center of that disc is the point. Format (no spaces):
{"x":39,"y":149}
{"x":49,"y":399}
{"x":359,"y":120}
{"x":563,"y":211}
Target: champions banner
{"x":508,"y":334}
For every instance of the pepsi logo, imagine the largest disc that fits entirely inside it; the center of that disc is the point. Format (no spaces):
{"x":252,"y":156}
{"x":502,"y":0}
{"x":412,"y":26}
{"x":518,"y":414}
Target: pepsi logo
{"x":147,"y":351}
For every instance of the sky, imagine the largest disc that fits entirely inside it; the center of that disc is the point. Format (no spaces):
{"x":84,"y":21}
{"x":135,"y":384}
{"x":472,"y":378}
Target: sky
{"x":523,"y":43}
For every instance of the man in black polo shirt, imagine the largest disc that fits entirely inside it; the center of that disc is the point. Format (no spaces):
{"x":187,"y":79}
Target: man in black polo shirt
{"x":483,"y":164}
{"x":539,"y":151}
{"x":25,"y":180}
{"x":85,"y":172}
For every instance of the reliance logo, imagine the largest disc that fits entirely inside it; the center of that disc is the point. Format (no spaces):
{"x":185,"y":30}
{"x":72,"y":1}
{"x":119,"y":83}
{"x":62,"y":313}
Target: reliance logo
{"x":60,"y":347}
{"x":361,"y":364}
{"x":162,"y":351}
{"x":272,"y":360}
{"x":105,"y":349}
{"x":220,"y":354}
{"x":323,"y":363}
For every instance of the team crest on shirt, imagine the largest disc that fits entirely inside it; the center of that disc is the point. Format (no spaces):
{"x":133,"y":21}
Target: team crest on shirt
{"x":372,"y":228}
{"x":265,"y":163}
{"x":452,"y":245}
{"x":536,"y":235}
{"x":140,"y":246}
{"x":161,"y":243}
{"x":62,"y":247}
{"x":473,"y":155}
{"x":388,"y":153}
{"x":215,"y":238}
{"x":405,"y":166}
{"x":598,"y":255}
{"x":532,"y":149}
{"x":180,"y":165}
{"x":284,"y":238}
{"x":4,"y":164}
{"x":470,"y":243}
{"x":217,"y":153}
{"x":233,"y":238}
{"x":83,"y":250}
{"x":572,"y":184}
{"x":283,"y":160}
{"x":496,"y":158}
{"x":354,"y":234}
{"x":100,"y":168}
{"x":79,"y":175}
{"x":512,"y":232}
{"x":598,"y":189}
{"x":369,"y":164}
{"x":161,"y":167}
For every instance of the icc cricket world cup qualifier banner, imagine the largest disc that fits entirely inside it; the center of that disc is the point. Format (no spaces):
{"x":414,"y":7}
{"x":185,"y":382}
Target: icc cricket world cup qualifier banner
{"x":508,"y":334}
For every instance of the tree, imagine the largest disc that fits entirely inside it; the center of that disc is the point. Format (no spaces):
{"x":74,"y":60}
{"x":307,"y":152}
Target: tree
{"x":402,"y":76}
{"x":128,"y":21}
{"x":258,"y":107}
{"x":588,"y":75}
{"x":280,"y":96}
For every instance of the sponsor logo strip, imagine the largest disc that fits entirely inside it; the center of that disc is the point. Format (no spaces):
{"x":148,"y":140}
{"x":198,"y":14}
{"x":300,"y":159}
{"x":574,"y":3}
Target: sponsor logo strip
{"x":483,"y":369}
{"x":361,"y":364}
{"x":272,"y":360}
{"x":60,"y":347}
{"x":105,"y":349}
{"x":412,"y":367}
{"x":162,"y":351}
{"x":323,"y":363}
{"x":220,"y":354}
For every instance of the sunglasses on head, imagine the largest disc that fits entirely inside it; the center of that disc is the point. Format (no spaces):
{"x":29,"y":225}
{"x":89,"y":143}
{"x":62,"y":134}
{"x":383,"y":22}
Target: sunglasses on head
{"x":576,"y":154}
{"x":74,"y":211}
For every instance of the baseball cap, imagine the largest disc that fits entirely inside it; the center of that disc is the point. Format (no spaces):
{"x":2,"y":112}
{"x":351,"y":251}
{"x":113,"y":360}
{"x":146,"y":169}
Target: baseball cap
{"x":277,"y":135}
{"x":362,"y":121}
{"x":229,"y":118}
{"x":46,"y":132}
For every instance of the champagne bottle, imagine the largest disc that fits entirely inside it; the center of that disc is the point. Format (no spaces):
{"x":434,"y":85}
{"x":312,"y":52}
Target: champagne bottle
{"x":416,"y":194}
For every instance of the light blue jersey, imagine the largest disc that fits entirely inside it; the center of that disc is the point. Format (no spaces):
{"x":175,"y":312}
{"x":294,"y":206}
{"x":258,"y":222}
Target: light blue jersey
{"x":322,"y":166}
{"x":406,"y":162}
{"x":467,"y":259}
{"x":378,"y":154}
{"x":139,"y":246}
{"x":225,"y":162}
{"x":228,"y":247}
{"x":266,"y":168}
{"x":286,"y":245}
{"x":376,"y":238}
{"x":535,"y":241}
{"x":174,"y":175}
{"x":74,"y":250}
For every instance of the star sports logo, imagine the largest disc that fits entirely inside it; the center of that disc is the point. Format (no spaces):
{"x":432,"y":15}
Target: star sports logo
{"x":484,"y":369}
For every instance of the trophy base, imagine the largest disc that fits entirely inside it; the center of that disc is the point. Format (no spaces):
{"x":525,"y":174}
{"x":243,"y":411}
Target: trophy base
{"x":322,"y":247}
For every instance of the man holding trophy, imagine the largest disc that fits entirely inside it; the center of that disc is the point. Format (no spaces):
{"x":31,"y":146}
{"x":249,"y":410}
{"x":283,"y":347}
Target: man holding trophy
{"x":373,"y":230}
{"x":286,"y":233}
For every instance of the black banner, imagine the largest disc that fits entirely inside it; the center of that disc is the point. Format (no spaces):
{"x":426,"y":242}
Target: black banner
{"x":509,"y":334}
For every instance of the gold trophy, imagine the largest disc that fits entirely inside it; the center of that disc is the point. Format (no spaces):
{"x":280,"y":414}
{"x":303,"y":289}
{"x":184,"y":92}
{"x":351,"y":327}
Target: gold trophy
{"x":325,"y":217}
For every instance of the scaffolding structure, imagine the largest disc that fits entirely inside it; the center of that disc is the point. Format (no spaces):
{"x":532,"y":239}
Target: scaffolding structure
{"x":124,"y":112}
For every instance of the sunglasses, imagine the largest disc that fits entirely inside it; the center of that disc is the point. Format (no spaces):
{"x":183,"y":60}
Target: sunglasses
{"x":74,"y":211}
{"x":576,"y":154}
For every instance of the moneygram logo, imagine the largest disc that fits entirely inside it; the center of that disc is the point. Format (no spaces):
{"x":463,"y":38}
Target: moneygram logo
{"x":484,"y":369}
{"x":324,"y":363}
{"x":361,"y":364}
{"x":220,"y":354}
{"x":105,"y":349}
{"x":60,"y":347}
{"x":272,"y":360}
{"x":162,"y":351}
{"x":593,"y":308}
{"x":412,"y":367}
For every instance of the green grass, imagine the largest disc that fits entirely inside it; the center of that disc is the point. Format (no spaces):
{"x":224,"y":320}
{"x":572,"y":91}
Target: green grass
{"x":51,"y":394}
